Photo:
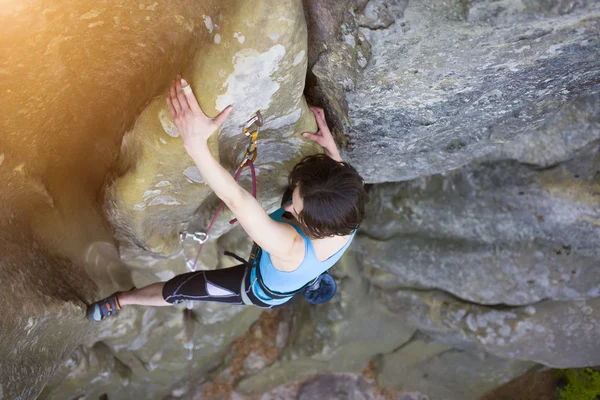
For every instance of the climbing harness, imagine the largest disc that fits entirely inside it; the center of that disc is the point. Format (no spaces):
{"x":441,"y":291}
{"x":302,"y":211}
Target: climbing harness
{"x":251,"y":131}
{"x":318,"y":291}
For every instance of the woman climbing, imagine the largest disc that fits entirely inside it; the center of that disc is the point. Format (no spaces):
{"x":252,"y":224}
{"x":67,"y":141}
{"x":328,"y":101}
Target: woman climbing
{"x":327,"y":205}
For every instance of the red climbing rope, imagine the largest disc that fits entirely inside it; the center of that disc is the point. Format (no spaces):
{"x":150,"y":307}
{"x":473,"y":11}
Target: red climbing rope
{"x":222,"y":205}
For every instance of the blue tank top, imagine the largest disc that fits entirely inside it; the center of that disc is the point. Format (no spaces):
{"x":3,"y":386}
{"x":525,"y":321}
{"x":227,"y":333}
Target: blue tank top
{"x":281,"y":281}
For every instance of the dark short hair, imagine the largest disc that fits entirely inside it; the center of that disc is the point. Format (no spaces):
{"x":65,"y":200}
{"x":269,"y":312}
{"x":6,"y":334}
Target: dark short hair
{"x":333,"y":193}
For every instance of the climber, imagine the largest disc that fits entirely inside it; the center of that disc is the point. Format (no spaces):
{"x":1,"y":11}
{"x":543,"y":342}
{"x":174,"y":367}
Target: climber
{"x":326,"y":207}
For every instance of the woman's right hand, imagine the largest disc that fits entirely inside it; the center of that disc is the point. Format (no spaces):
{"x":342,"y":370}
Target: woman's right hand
{"x":193,"y":125}
{"x":323,"y":135}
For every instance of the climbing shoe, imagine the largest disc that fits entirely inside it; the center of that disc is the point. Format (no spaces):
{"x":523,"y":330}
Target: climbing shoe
{"x":104,"y":308}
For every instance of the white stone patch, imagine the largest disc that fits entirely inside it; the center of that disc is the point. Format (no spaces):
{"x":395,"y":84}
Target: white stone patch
{"x":148,"y":194}
{"x":504,"y":330}
{"x":164,"y":275}
{"x":587,"y":310}
{"x":289,"y":119}
{"x":164,"y":200}
{"x":555,"y":49}
{"x":288,"y":21}
{"x":94,"y":24}
{"x":91,"y":14}
{"x":530,"y":310}
{"x":571,"y":293}
{"x":30,"y":325}
{"x":476,"y":322}
{"x":523,"y":328}
{"x":193,"y":173}
{"x":511,"y":66}
{"x":1,"y":158}
{"x":299,"y":57}
{"x":208,"y":23}
{"x":139,"y":207}
{"x":255,"y":362}
{"x":162,"y":184}
{"x":217,"y":38}
{"x":594,"y":292}
{"x":241,"y":38}
{"x":167,"y":123}
{"x":251,"y":80}
{"x":362,"y":61}
{"x":181,"y":20}
{"x":522,"y":49}
{"x":350,"y":40}
{"x":102,"y":376}
{"x":163,"y":141}
{"x":274,"y":36}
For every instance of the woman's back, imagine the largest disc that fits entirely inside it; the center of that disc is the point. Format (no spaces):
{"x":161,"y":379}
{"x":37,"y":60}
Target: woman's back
{"x":310,"y":267}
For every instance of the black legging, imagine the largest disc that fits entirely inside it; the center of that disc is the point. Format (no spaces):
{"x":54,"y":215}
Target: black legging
{"x":218,"y":285}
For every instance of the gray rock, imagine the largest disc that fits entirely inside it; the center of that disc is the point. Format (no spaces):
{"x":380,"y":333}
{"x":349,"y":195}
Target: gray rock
{"x":490,"y":233}
{"x":142,"y":353}
{"x":444,"y":373}
{"x":443,"y":84}
{"x":342,"y":387}
{"x":559,"y":138}
{"x":560,"y":334}
{"x":43,"y":318}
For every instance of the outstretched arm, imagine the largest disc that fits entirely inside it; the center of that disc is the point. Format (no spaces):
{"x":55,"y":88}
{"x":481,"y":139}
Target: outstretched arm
{"x":195,"y":128}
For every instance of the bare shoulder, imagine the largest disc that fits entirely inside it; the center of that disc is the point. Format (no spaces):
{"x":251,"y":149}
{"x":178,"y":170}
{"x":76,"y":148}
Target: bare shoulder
{"x":291,"y":260}
{"x":326,"y":247}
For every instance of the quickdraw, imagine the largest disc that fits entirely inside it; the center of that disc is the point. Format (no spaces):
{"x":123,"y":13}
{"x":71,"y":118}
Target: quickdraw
{"x":251,"y":129}
{"x":251,"y":151}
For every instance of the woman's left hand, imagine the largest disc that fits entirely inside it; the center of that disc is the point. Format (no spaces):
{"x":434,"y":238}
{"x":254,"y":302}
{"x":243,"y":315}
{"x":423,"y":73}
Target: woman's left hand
{"x":193,"y":125}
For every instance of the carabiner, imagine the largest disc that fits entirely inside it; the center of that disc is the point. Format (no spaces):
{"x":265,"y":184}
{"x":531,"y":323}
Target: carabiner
{"x":200,"y":237}
{"x":251,"y":150}
{"x":256,"y":119}
{"x":249,"y":156}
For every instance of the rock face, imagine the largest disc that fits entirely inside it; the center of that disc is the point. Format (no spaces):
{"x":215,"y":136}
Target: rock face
{"x":491,"y":233}
{"x":446,"y":373}
{"x":246,"y":59}
{"x":477,"y":125}
{"x":30,"y":355}
{"x":425,"y":87}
